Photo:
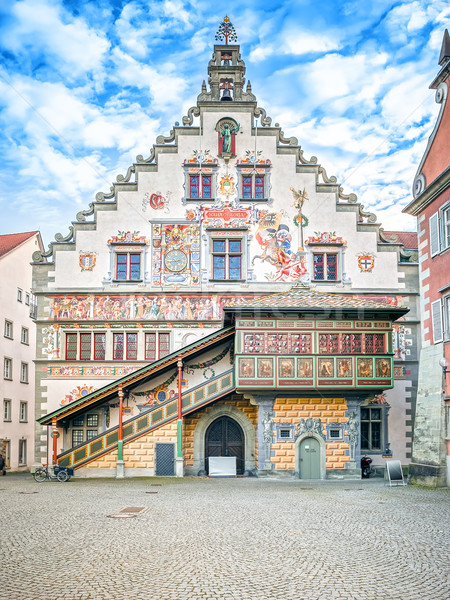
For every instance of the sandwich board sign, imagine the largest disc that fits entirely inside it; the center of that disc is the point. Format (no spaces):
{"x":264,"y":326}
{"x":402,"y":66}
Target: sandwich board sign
{"x":395,"y":472}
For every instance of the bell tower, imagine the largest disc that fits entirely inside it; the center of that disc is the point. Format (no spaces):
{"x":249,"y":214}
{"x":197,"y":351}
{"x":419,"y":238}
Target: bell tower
{"x":226,"y":70}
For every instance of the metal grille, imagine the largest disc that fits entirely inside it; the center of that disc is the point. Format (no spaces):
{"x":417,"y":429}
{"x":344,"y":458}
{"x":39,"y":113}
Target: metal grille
{"x":165,"y":459}
{"x":85,"y":346}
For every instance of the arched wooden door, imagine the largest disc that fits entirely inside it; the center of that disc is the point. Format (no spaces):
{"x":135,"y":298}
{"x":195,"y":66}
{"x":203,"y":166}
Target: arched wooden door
{"x":224,"y":437}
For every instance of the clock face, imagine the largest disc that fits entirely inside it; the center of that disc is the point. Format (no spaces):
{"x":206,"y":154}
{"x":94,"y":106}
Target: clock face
{"x":175,"y":260}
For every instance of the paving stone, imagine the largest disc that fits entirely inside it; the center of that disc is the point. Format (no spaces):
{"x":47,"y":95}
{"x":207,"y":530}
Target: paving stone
{"x":223,"y":539}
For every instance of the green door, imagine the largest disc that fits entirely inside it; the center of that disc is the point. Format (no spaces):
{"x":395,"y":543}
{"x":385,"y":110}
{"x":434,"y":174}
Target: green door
{"x":309,"y":459}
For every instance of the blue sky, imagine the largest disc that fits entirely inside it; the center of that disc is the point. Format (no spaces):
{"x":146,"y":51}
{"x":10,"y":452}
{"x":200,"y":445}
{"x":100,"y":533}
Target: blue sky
{"x":87,"y":85}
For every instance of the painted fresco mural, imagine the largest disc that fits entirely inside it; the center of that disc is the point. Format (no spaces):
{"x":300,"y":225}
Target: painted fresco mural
{"x":152,"y":307}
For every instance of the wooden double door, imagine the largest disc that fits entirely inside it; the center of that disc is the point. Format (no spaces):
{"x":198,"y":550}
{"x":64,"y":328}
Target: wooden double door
{"x":224,"y":437}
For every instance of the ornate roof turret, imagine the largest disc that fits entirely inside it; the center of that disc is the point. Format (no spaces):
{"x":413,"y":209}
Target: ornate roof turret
{"x":226,"y":70}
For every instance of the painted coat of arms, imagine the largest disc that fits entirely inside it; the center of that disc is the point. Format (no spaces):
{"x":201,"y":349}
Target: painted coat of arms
{"x":366,"y":262}
{"x":87,"y":261}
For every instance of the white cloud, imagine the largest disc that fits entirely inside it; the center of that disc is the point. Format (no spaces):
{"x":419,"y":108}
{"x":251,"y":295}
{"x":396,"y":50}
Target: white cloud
{"x":64,"y":40}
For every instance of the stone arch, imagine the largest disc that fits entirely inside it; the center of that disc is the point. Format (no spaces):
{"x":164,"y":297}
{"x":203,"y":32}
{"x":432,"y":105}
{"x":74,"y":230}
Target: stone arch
{"x":323,"y":453}
{"x":205,"y":421}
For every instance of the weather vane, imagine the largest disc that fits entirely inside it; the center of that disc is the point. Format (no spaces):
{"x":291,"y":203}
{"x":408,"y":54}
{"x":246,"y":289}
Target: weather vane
{"x":226,"y":32}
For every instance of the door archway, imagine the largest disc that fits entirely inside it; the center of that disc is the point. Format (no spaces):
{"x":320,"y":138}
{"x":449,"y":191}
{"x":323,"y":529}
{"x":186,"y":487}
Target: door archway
{"x":224,"y":437}
{"x":309,"y":458}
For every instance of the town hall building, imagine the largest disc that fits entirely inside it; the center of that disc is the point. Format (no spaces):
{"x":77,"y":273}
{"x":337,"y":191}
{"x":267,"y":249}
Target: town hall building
{"x":226,"y":299}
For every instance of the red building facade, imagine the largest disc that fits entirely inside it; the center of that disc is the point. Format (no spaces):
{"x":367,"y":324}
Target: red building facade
{"x":431,"y":204}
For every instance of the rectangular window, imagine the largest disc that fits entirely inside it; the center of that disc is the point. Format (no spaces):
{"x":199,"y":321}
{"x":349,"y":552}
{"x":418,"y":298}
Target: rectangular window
{"x":19,"y":295}
{"x":92,"y":420}
{"x":23,"y":415}
{"x":85,"y":346}
{"x":22,"y":452}
{"x":128,"y":266}
{"x":446,"y":227}
{"x":7,"y":368}
{"x":78,"y":421}
{"x":8,"y":329}
{"x":227,"y":259}
{"x":71,"y":346}
{"x":24,"y":337}
{"x":27,"y":299}
{"x":118,"y":341}
{"x":325,"y":267}
{"x":6,"y":410}
{"x":99,"y":346}
{"x":371,"y":429}
{"x":77,"y":437}
{"x":253,"y":187}
{"x":23,"y":372}
{"x":446,"y":303}
{"x":157,"y":345}
{"x":436,"y":316}
{"x":200,"y":186}
{"x":131,"y":346}
{"x":91,"y":434}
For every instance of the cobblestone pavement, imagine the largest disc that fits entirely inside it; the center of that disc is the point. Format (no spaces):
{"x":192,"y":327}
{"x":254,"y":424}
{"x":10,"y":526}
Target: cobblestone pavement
{"x":231,"y":539}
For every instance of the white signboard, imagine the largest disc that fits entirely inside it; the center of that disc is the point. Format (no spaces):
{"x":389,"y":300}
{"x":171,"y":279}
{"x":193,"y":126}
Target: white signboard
{"x":222,"y":466}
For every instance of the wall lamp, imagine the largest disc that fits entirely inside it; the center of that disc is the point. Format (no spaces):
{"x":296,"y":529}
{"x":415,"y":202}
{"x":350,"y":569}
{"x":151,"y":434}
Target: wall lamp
{"x":444,"y":364}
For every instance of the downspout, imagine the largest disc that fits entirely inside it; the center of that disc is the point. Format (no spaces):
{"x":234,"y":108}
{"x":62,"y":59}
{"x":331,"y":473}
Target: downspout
{"x":179,"y":463}
{"x":120,"y":469}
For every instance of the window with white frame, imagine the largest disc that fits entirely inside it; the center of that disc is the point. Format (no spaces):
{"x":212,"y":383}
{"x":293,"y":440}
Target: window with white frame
{"x":7,"y":368}
{"x":23,"y":372}
{"x":446,"y":315}
{"x":8,"y":329}
{"x":227,"y":259}
{"x":24,"y":336}
{"x":436,"y":319}
{"x":27,"y":298}
{"x":325,"y":266}
{"x":22,"y":452}
{"x":19,"y":295}
{"x":23,"y":412}
{"x":439,"y":225}
{"x":6,"y":410}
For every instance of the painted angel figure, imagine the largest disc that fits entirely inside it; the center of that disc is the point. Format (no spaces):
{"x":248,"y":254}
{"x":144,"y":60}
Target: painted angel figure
{"x":226,"y":136}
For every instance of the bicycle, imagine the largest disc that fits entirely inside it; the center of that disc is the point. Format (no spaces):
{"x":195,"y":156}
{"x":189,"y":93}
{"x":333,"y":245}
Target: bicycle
{"x":59,"y":473}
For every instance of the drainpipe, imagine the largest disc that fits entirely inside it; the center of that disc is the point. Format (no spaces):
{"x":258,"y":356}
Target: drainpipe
{"x":55,"y":443}
{"x":179,"y":467}
{"x":120,"y":470}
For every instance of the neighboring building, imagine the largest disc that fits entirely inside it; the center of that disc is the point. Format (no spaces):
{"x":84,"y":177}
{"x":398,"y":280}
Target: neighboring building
{"x":431,"y":204}
{"x":17,"y":348}
{"x":228,"y":250}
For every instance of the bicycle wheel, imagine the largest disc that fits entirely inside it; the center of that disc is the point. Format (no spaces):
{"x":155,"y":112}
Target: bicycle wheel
{"x":40,"y":475}
{"x":63,"y":476}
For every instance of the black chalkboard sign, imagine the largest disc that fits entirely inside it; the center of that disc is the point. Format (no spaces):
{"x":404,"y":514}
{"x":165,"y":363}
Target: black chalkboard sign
{"x":395,"y":473}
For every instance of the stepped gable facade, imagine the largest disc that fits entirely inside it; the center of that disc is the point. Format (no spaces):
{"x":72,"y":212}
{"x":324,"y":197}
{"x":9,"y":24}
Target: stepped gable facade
{"x":431,"y":205}
{"x":226,"y":297}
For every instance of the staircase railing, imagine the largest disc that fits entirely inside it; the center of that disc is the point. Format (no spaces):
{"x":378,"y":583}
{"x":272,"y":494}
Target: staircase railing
{"x":154,"y":417}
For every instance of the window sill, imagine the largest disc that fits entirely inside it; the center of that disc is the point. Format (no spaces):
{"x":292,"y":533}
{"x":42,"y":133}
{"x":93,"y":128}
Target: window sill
{"x":253,"y":199}
{"x":200,"y":199}
{"x":127,"y":280}
{"x":21,"y":421}
{"x":8,"y":337}
{"x":26,"y":382}
{"x":7,"y":378}
{"x":326,"y":280}
{"x":7,"y":420}
{"x":227,"y":280}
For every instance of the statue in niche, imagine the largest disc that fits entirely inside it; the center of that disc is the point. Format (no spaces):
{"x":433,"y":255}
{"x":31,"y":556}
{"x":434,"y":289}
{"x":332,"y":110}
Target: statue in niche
{"x":267,"y":438}
{"x":226,"y":132}
{"x":352,"y":428}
